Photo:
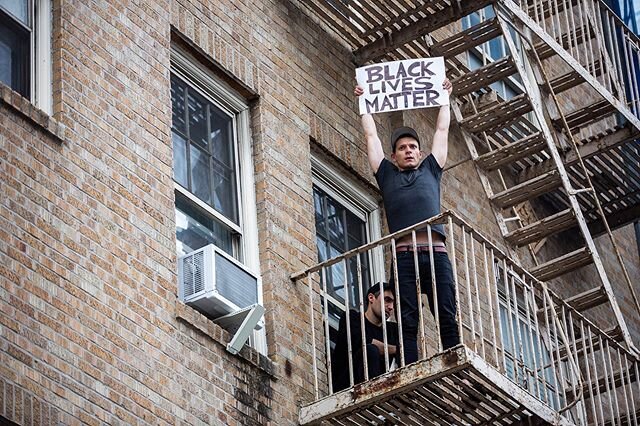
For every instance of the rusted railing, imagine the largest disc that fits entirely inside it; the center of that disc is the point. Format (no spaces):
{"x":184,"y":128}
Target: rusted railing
{"x":597,"y":39}
{"x":503,"y":314}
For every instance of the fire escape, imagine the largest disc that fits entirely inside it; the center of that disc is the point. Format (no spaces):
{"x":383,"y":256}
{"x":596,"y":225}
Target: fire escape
{"x":552,"y":160}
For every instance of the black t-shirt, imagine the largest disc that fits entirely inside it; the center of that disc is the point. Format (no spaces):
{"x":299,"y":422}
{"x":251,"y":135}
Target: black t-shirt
{"x":339,"y":356}
{"x":410,"y":196}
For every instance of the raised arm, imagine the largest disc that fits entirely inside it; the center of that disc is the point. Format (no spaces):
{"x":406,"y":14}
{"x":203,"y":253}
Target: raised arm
{"x":374,"y":146}
{"x":441,"y":136}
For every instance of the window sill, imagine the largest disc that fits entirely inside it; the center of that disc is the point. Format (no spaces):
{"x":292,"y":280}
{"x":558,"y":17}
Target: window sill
{"x":220,"y":335}
{"x":32,"y":113}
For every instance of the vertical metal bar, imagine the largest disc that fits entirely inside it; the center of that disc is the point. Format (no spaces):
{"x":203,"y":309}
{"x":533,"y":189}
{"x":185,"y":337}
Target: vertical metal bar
{"x":606,"y":377}
{"x":606,"y":82}
{"x":569,"y":353}
{"x":475,"y":285}
{"x":572,"y":29}
{"x":634,"y":79}
{"x":557,"y":348}
{"x":595,"y":374}
{"x":494,"y":293}
{"x":566,"y":6}
{"x":585,"y":29}
{"x":347,"y":313}
{"x":624,"y":388}
{"x":434,"y":289}
{"x":540,"y":346}
{"x":613,"y":383}
{"x":554,"y":32}
{"x":423,"y":345}
{"x":314,"y":355}
{"x":616,"y":50}
{"x":587,"y":369}
{"x":454,"y":262}
{"x":627,"y":369}
{"x":363,"y":334}
{"x":611,"y":48}
{"x":510,"y":319}
{"x":399,"y":316}
{"x":574,"y":345}
{"x":546,"y":300}
{"x":494,"y":343}
{"x":516,"y":309}
{"x":531,"y":345}
{"x":325,"y":319}
{"x":590,"y":44}
{"x":466,"y":269}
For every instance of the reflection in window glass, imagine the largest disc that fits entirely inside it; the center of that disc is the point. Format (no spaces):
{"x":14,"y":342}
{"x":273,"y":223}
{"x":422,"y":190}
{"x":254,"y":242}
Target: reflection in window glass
{"x":204,"y":154}
{"x":195,"y":229}
{"x":180,"y":171}
{"x":337,"y":231}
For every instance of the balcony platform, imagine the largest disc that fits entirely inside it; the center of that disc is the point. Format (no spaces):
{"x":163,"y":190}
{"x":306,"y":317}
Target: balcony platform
{"x":456,"y":387}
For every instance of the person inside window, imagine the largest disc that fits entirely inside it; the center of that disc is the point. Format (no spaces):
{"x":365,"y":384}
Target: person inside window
{"x":373,"y":317}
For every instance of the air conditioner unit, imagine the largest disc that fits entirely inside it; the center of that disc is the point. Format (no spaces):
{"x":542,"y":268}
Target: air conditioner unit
{"x":215,"y":283}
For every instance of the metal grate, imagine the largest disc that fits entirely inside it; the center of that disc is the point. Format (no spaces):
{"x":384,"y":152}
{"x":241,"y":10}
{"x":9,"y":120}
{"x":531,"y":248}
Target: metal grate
{"x":193,"y":273}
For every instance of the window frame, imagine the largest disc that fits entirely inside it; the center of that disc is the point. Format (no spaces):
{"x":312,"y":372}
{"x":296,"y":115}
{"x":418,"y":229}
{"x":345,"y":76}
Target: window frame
{"x":39,"y":61}
{"x":203,"y":80}
{"x":355,"y":199}
{"x":224,"y":97}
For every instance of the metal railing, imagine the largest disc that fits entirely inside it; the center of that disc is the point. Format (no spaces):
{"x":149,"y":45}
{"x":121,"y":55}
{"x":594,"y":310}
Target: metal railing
{"x":597,"y":39}
{"x":513,"y":321}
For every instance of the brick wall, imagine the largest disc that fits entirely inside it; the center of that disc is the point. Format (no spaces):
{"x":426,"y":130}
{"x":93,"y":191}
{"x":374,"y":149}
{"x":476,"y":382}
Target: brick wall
{"x":91,"y":329}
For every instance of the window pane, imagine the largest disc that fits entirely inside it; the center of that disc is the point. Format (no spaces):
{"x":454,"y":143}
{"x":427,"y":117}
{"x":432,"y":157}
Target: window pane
{"x":336,"y":224}
{"x":195,"y":229}
{"x":221,"y":137}
{"x":224,"y":193}
{"x":180,"y":171}
{"x":14,"y":55}
{"x":197,"y":118}
{"x":177,"y":105}
{"x":18,"y":8}
{"x":200,"y":175}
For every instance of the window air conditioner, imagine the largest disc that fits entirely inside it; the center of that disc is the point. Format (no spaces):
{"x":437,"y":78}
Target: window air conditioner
{"x":215,"y":283}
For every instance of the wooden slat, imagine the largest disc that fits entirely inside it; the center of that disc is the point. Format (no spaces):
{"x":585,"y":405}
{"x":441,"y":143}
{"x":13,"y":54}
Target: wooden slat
{"x":484,"y":77}
{"x":497,"y":115}
{"x":587,"y":115}
{"x":467,"y":39}
{"x":527,"y":190}
{"x":562,"y":265}
{"x":571,"y":79}
{"x":542,"y":228}
{"x":588,"y":299}
{"x":512,"y":152}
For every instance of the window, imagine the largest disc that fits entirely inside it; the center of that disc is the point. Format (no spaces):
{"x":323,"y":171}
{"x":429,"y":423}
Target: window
{"x":25,"y":40}
{"x":212,"y":165}
{"x":346,"y":217}
{"x":526,"y":353}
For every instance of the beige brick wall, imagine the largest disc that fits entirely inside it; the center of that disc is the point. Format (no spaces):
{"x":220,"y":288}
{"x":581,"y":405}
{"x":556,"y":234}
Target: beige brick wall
{"x":90,"y":327}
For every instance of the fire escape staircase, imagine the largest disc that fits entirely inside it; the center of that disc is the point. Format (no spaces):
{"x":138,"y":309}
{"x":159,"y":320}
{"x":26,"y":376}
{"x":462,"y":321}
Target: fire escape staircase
{"x":530,"y":136}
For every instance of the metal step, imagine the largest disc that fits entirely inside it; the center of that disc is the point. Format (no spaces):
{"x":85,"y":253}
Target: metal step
{"x":586,"y":115}
{"x":467,"y":39}
{"x":528,"y":190}
{"x":571,"y":79}
{"x":562,"y":265}
{"x":512,"y":152}
{"x":545,"y":51}
{"x":588,"y":299}
{"x":498,"y":115}
{"x":542,"y":228}
{"x":484,"y":76}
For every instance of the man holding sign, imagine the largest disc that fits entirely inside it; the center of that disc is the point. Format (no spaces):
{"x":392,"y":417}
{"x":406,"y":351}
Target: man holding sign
{"x":411,"y":188}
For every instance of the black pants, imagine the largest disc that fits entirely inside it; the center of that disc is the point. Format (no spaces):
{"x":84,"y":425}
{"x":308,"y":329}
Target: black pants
{"x":446,"y":298}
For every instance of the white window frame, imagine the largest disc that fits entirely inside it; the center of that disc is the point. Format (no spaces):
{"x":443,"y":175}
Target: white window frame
{"x":224,"y":97}
{"x":40,"y":90}
{"x":355,"y":199}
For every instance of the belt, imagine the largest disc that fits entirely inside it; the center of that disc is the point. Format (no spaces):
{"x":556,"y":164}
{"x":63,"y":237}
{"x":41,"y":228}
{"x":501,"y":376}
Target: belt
{"x":438,"y":249}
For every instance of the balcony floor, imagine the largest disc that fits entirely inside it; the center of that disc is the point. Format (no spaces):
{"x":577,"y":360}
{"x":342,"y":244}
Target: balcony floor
{"x":456,"y":387}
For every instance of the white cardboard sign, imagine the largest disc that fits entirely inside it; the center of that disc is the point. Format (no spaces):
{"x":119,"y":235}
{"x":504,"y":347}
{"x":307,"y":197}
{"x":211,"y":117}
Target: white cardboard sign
{"x":400,"y":85}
